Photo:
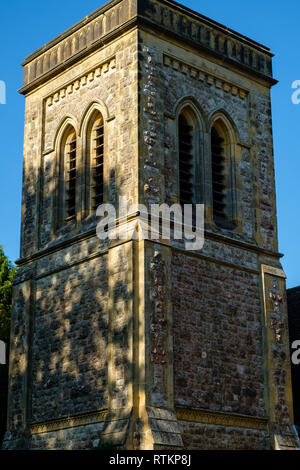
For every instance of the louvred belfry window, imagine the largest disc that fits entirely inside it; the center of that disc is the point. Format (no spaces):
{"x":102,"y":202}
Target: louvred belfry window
{"x":186,"y":160}
{"x":218,"y":175}
{"x":70,"y":149}
{"x":96,"y":162}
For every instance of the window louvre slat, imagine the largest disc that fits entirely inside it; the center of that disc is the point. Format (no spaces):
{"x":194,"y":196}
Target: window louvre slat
{"x":71,"y":172}
{"x":218,"y":175}
{"x":97,"y":164}
{"x":186,"y":164}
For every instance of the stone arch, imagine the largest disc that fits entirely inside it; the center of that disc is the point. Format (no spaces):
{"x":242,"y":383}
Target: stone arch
{"x":190,"y":101}
{"x":97,"y":111}
{"x":228,"y":122}
{"x":95,"y":106}
{"x":64,"y":123}
{"x":67,"y":127}
{"x":188,"y":109}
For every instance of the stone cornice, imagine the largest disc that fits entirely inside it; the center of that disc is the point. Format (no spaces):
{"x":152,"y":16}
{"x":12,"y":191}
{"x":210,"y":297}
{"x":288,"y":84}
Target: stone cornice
{"x":70,"y":422}
{"x":81,"y":81}
{"x":73,"y":29}
{"x":203,"y":76}
{"x":92,"y":233}
{"x":221,"y":419}
{"x":201,"y":32}
{"x":167,"y":16}
{"x":277,"y":272}
{"x":210,"y":22}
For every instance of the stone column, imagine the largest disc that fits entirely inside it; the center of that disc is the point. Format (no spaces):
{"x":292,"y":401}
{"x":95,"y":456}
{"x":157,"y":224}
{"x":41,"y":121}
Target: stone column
{"x":154,"y":424}
{"x":277,"y":362}
{"x":17,"y":435}
{"x":120,"y":344}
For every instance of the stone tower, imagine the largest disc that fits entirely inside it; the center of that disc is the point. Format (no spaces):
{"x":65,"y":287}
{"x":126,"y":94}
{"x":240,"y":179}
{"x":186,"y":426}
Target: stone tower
{"x":141,"y":342}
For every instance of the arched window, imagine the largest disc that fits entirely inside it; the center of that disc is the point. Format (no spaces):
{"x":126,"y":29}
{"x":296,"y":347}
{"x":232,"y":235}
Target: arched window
{"x":68,"y":176}
{"x":222,"y":175}
{"x":186,"y":149}
{"x":95,"y":162}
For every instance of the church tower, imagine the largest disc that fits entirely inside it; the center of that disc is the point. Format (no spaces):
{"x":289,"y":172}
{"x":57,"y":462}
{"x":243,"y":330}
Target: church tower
{"x":138,"y":342}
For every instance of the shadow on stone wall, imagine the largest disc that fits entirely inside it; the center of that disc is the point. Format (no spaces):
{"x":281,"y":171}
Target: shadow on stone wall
{"x":68,"y":350}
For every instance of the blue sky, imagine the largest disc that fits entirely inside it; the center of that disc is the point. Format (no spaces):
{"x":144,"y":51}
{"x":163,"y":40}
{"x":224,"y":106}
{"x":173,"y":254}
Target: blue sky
{"x":27,"y":25}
